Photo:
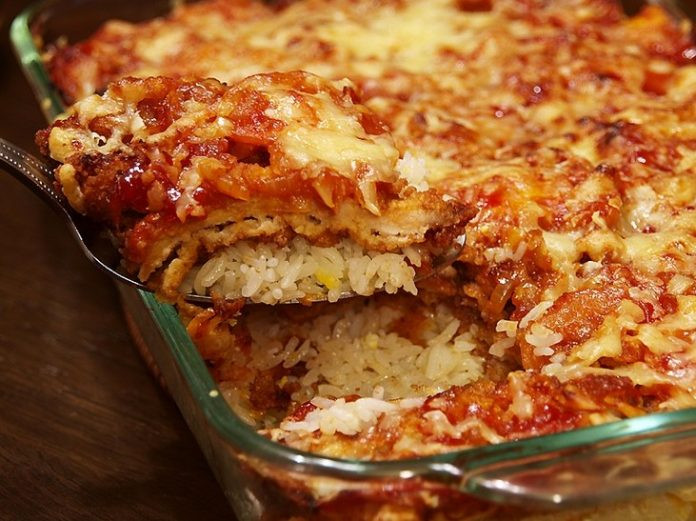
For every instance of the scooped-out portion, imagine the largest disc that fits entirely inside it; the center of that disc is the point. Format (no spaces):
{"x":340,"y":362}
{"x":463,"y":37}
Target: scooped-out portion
{"x":279,"y":187}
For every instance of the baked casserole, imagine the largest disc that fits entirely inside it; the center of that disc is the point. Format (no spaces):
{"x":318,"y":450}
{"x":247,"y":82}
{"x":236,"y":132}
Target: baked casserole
{"x":558,"y":137}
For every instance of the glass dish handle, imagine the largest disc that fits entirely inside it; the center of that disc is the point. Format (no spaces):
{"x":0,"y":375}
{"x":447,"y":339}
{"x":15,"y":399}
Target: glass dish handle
{"x":588,"y":474}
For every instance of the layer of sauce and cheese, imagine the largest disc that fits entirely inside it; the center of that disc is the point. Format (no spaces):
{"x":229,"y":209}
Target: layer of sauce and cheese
{"x":177,"y":166}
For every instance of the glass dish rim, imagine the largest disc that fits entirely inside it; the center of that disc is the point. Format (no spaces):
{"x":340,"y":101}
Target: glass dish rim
{"x":249,"y":442}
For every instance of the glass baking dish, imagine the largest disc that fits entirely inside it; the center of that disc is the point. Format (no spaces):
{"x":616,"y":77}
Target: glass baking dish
{"x":264,"y":480}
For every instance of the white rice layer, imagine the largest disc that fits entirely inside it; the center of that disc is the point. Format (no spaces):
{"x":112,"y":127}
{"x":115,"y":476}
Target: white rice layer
{"x":356,"y":351}
{"x":350,"y":418}
{"x":268,"y":273}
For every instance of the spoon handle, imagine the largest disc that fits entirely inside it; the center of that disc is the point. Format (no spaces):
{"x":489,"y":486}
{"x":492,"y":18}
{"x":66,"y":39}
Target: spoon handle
{"x":32,"y":172}
{"x":38,"y":177}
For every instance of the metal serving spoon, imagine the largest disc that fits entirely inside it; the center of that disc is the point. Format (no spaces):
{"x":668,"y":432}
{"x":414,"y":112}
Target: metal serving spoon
{"x":98,"y":244}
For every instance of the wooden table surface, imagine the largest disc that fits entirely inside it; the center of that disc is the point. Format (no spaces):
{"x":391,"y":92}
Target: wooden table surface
{"x":85,"y":432}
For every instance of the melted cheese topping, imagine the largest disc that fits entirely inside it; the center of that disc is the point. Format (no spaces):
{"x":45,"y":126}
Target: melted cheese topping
{"x":338,"y":140}
{"x":311,"y":126}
